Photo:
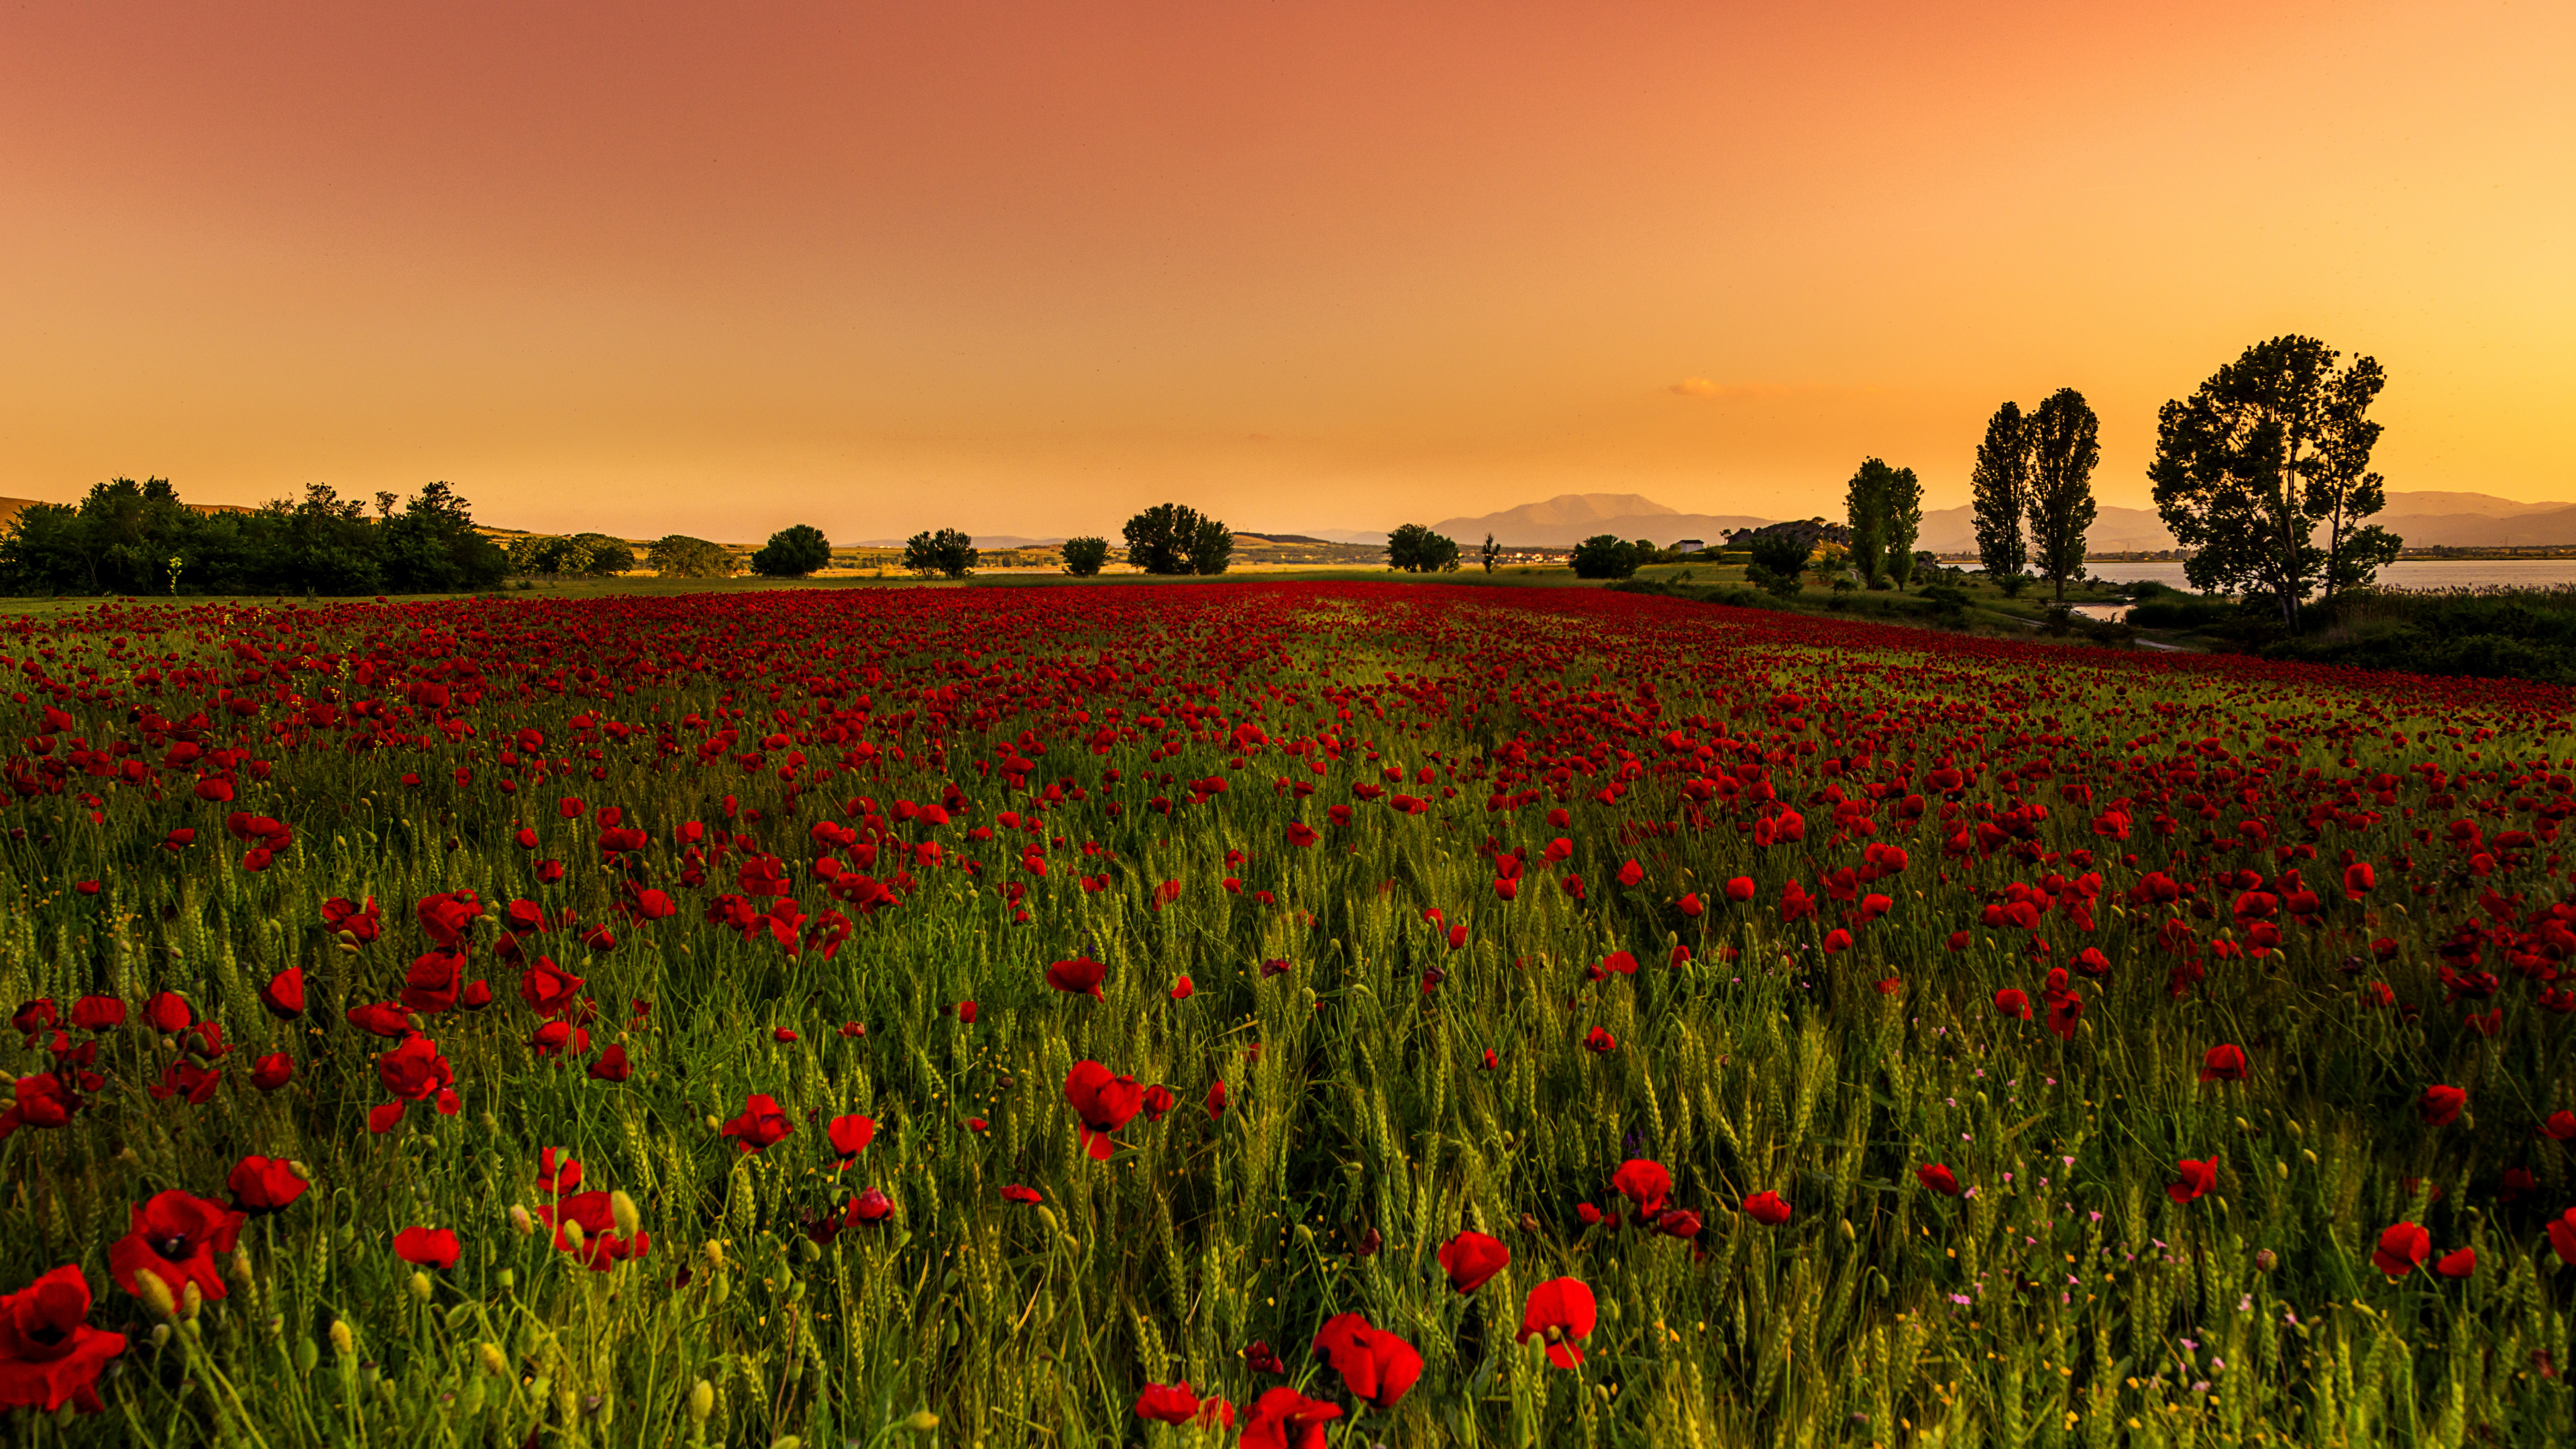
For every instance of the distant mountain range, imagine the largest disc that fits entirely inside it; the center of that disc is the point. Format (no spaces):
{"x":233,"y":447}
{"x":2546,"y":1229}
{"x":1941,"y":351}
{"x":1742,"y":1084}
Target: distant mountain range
{"x":1570,"y":518}
{"x":2424,"y":520}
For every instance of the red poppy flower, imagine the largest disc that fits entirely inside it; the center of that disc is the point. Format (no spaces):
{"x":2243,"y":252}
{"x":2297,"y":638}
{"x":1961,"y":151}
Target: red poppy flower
{"x":381,"y":1018}
{"x":850,"y":1135}
{"x":1183,"y":989}
{"x":2440,"y":1106}
{"x":1560,"y":1313}
{"x":558,"y":1171}
{"x":2223,"y":1064}
{"x":2359,"y":878}
{"x":98,"y":1013}
{"x":1376,"y":1366}
{"x":2561,"y":1126}
{"x":2198,"y":1178}
{"x":174,"y":1237}
{"x":1643,"y":1183}
{"x":2457,"y":1265}
{"x":1301,"y":834}
{"x":761,"y":1126}
{"x":167,"y":1013}
{"x":611,"y":1065}
{"x":2401,"y":1249}
{"x":1632,"y":874}
{"x":1599,"y":1041}
{"x":261,"y":1185}
{"x":283,"y":995}
{"x":2013,"y":1003}
{"x":1158,"y":1099}
{"x":1938,"y":1178}
{"x":2562,"y":1236}
{"x":413,"y":1072}
{"x":1104,"y":1102}
{"x":1767,"y":1208}
{"x":547,"y":990}
{"x":871,"y":1206}
{"x":49,"y":1355}
{"x":1471,"y":1259}
{"x":1167,"y":1403}
{"x":1283,"y":1418}
{"x":431,"y":984}
{"x":1216,"y":1100}
{"x":1081,"y":974}
{"x":1022,"y":1196}
{"x":272,"y":1071}
{"x":427,"y":1247}
{"x":1690,"y":906}
{"x":602,"y":1248}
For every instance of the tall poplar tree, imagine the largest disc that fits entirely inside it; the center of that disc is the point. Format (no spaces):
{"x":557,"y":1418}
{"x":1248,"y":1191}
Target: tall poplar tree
{"x":1901,"y":496}
{"x":2065,"y":444}
{"x":1865,"y":510}
{"x":2001,"y":485}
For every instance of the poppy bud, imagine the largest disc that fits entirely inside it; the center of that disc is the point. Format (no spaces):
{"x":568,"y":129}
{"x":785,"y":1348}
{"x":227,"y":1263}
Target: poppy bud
{"x":2265,"y":1260}
{"x":519,"y":1219}
{"x":702,"y":1401}
{"x":493,"y":1362}
{"x":155,"y":1293}
{"x":921,"y":1421}
{"x":621,"y":1209}
{"x":343,"y":1343}
{"x":421,"y":1287}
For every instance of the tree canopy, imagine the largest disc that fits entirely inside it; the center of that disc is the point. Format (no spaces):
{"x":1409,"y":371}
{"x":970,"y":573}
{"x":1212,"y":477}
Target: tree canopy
{"x":1083,"y":557}
{"x":2000,"y":486}
{"x":1414,"y":548}
{"x":2065,"y":445}
{"x":1605,"y":556}
{"x":1169,"y":538}
{"x":678,"y":556}
{"x":792,"y":553}
{"x":2271,"y":448}
{"x":138,"y":537}
{"x":949,"y":551}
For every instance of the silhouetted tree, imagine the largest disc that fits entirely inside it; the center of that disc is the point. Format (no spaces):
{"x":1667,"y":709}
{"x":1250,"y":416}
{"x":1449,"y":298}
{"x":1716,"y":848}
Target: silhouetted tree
{"x":2065,"y":444}
{"x":1416,"y":549}
{"x":1084,"y":556}
{"x":2000,"y":483}
{"x":792,"y":553}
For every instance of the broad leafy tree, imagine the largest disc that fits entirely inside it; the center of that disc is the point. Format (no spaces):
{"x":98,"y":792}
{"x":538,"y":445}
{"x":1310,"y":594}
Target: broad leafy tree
{"x":1083,"y":557}
{"x":949,"y":551}
{"x":678,"y":556}
{"x":1605,"y":556}
{"x":2269,"y":448}
{"x":1169,"y":538}
{"x":792,"y":553}
{"x":2065,"y":446}
{"x":1416,"y":549}
{"x":2000,"y":484}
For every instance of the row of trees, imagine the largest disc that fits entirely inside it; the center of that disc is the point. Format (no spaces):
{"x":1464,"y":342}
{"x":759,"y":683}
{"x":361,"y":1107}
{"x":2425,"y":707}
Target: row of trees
{"x":130,"y":537}
{"x":2036,"y":469}
{"x":2263,"y":473}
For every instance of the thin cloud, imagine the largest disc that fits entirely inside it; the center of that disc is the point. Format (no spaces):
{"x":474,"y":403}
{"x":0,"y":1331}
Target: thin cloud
{"x":1703,"y":387}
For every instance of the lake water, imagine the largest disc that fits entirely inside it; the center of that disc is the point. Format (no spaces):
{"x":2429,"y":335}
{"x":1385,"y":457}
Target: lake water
{"x":2404,"y":574}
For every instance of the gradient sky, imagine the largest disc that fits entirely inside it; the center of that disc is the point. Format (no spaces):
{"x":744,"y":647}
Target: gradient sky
{"x":1024,"y":268}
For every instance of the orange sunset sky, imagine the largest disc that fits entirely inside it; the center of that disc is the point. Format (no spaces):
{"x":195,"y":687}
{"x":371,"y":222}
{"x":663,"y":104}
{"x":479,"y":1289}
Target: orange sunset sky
{"x":1024,"y":268}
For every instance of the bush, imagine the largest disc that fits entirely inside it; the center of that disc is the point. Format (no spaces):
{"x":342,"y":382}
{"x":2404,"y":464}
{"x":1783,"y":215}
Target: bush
{"x":1083,"y":557}
{"x":948,"y":551}
{"x":1777,"y":560}
{"x":678,"y":556}
{"x":1604,"y":556}
{"x":792,"y":553}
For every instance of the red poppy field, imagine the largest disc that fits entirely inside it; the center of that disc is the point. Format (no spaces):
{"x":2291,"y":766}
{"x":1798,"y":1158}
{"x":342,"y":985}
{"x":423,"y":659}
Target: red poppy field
{"x":1279,"y":1015}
